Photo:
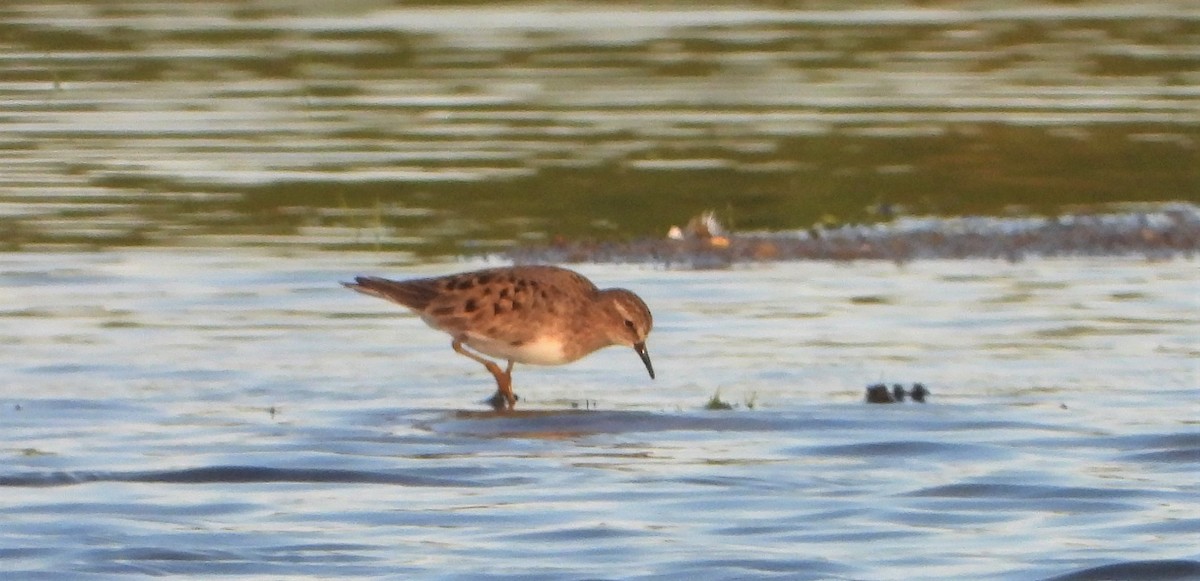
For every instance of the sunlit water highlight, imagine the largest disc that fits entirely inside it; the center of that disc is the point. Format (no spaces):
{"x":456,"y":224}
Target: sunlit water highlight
{"x":241,"y":414}
{"x":440,"y":130}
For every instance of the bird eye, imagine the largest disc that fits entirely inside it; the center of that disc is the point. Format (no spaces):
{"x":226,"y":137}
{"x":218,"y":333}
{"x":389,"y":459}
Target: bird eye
{"x":629,"y":323}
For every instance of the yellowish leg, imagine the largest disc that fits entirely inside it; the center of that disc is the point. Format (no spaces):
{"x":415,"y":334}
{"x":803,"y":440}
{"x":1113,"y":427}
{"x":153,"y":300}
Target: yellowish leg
{"x":505,"y":399}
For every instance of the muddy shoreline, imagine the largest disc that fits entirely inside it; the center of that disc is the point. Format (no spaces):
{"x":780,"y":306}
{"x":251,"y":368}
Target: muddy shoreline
{"x":1162,"y":232}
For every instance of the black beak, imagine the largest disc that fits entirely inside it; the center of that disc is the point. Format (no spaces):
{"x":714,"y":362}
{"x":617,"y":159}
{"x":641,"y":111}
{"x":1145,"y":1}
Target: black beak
{"x":645,"y":355}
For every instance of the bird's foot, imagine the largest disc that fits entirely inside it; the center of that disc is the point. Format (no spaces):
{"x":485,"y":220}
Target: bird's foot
{"x":500,"y":401}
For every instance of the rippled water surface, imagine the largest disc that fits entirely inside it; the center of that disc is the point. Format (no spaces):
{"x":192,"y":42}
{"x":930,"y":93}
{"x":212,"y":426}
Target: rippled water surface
{"x":441,"y":129}
{"x":241,"y":414}
{"x":185,"y":389}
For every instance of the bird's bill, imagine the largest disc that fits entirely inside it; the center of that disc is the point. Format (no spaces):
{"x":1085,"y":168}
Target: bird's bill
{"x":645,"y":355}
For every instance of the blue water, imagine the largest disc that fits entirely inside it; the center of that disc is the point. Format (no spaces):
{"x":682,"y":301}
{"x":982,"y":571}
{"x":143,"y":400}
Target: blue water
{"x":239,"y":414}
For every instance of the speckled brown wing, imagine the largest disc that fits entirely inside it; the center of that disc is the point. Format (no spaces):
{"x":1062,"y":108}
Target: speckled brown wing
{"x":543,"y":289}
{"x":510,"y":305}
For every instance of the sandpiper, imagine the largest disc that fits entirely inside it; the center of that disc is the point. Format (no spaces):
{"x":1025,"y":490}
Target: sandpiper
{"x":541,"y":315}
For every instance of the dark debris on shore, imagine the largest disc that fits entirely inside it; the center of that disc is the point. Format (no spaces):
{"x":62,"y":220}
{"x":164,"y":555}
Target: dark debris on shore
{"x":1164,"y":232}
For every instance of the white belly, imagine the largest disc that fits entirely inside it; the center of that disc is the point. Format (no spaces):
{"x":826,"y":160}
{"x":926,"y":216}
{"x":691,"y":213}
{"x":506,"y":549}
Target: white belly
{"x":541,"y":352}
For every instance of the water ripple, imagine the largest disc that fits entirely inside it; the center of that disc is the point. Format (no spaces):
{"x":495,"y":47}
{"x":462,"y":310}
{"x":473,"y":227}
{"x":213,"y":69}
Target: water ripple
{"x":245,"y":475}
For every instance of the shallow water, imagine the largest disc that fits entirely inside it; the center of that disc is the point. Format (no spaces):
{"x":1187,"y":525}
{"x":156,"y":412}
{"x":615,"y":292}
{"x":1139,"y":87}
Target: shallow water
{"x":185,"y":389}
{"x":239,"y":414}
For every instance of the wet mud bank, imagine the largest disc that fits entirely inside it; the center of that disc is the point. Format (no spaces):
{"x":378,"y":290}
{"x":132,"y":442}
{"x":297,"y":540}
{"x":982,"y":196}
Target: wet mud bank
{"x":1158,"y":233}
